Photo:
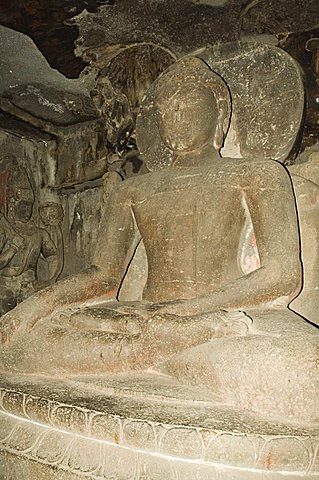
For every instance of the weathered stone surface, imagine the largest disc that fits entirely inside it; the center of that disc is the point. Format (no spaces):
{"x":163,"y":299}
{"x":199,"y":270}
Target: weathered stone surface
{"x":73,"y":232}
{"x":278,"y":16}
{"x":304,"y":47}
{"x":46,"y":99}
{"x":83,"y":205}
{"x":305,"y":178}
{"x":264,"y":82}
{"x":265,"y":447}
{"x":212,"y":3}
{"x":132,"y":69}
{"x":262,"y":126}
{"x":291,"y":24}
{"x":186,"y":25}
{"x":210,"y":374}
{"x":50,"y":134}
{"x":44,"y":23}
{"x":39,"y":91}
{"x":181,"y":26}
{"x":237,"y":450}
{"x":30,"y":256}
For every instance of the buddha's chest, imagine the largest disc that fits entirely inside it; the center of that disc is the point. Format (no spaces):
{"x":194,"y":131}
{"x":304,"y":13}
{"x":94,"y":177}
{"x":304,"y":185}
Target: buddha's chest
{"x":190,"y":213}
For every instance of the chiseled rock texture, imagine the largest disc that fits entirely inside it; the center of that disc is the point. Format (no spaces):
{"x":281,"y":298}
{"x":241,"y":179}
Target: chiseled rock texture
{"x":51,"y":128}
{"x":90,"y":428}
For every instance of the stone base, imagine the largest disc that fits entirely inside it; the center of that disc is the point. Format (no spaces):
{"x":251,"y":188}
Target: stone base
{"x":141,"y":427}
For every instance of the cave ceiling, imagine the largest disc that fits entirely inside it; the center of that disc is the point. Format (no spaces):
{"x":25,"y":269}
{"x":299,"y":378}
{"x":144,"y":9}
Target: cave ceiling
{"x":180,"y":25}
{"x":75,"y":33}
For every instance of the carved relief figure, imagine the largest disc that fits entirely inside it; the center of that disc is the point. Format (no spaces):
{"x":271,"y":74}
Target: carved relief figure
{"x":22,"y":241}
{"x":204,"y":319}
{"x":10,"y":244}
{"x":51,"y":215}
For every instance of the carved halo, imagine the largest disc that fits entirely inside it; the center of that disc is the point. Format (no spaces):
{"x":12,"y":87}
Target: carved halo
{"x":267,"y":96}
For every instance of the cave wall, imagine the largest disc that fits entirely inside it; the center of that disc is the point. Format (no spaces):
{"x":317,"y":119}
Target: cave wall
{"x":114,"y":50}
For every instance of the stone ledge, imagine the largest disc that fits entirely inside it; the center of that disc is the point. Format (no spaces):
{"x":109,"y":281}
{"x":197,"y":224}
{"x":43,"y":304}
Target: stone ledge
{"x":98,"y":432}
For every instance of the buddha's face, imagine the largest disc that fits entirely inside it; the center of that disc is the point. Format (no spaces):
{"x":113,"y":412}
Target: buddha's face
{"x":188,"y":119}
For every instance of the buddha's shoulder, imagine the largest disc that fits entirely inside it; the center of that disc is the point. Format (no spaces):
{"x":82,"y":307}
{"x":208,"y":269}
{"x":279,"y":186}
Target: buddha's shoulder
{"x":261,"y":171}
{"x":254,"y":166}
{"x":139,"y":184}
{"x":250,"y":172}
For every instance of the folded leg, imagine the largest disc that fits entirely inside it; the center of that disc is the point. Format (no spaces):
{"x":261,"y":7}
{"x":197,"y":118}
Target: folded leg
{"x":113,"y":337}
{"x":273,"y":371}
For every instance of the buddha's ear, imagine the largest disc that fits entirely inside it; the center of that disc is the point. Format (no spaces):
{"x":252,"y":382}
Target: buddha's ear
{"x":218,"y":140}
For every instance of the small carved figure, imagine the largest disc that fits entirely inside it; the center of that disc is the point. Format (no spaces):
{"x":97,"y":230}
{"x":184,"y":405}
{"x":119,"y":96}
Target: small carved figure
{"x":203,"y":319}
{"x":22,"y":241}
{"x":51,"y":215}
{"x":10,"y":244}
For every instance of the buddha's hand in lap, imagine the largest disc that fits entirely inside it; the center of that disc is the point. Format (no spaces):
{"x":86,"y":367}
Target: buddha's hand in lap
{"x":219,"y":323}
{"x":187,"y":307}
{"x":223,"y":323}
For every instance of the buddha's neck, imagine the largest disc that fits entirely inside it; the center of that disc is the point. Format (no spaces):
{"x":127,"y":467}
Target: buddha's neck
{"x":194,"y":158}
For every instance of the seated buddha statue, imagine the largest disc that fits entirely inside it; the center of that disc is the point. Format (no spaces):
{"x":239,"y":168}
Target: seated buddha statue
{"x":204,"y":319}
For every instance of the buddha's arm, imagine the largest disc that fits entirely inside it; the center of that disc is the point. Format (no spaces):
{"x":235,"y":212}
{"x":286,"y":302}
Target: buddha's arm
{"x":271,"y":203}
{"x":118,"y":237}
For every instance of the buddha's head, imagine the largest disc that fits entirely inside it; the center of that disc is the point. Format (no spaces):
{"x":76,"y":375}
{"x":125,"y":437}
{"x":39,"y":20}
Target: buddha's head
{"x":193,"y":104}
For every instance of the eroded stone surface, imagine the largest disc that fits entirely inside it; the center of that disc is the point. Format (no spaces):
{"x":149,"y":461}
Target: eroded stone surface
{"x":40,"y":91}
{"x":52,"y":148}
{"x":210,"y":373}
{"x":134,"y":446}
{"x":260,"y":78}
{"x":181,"y":26}
{"x":257,"y":76}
